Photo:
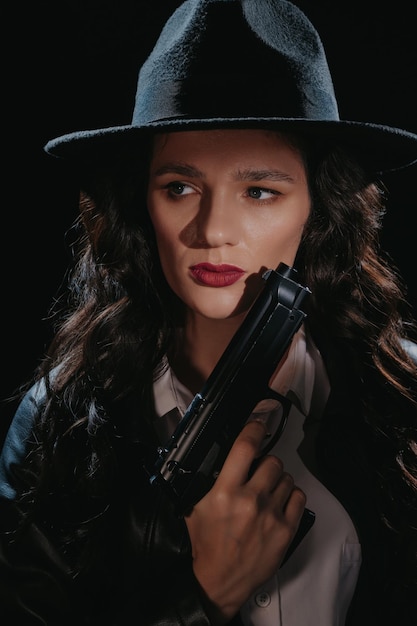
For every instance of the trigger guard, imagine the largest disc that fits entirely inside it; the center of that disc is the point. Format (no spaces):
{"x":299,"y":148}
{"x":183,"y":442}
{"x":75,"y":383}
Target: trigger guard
{"x":286,"y":406}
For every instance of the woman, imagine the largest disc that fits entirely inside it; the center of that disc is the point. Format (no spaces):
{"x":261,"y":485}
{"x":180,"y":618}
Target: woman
{"x":181,"y":213}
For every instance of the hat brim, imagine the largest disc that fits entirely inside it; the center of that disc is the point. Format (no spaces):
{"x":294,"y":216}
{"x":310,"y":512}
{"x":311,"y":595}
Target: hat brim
{"x":382,"y":148}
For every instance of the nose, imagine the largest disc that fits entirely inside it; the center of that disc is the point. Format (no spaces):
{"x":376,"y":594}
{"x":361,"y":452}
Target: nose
{"x":216,"y":223}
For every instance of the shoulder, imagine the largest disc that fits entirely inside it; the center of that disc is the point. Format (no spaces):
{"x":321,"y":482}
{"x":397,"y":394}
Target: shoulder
{"x":18,"y":436}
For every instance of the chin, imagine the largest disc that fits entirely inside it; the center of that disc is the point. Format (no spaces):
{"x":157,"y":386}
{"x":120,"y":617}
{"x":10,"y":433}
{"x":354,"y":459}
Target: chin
{"x":219,"y":309}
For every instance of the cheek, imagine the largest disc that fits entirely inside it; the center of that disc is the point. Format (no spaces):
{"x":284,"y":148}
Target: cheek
{"x":169,"y":251}
{"x":162,"y":230}
{"x":283,"y":229}
{"x":293,"y":228}
{"x":280,"y":241}
{"x":165,"y":247}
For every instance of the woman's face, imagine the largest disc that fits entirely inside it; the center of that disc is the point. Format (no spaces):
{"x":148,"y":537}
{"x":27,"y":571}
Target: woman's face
{"x":226,"y":205}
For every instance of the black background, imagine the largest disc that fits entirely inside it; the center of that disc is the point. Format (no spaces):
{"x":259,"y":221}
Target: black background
{"x":73,"y":65}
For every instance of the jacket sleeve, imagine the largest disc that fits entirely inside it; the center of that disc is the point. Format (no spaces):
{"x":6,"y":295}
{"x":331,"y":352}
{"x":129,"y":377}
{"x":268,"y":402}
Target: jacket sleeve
{"x":17,"y":441}
{"x":36,"y":584}
{"x":30,"y":568}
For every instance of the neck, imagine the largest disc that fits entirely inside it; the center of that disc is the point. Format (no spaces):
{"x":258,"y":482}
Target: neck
{"x":199,"y":347}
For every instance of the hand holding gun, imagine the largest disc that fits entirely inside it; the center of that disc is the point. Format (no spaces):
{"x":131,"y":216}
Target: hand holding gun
{"x":190,"y":462}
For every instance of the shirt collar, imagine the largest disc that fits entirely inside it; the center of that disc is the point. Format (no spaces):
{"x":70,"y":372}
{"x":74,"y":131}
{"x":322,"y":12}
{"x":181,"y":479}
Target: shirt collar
{"x":295,"y":378}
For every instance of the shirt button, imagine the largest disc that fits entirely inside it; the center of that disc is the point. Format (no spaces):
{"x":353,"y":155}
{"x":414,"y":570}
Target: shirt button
{"x":263,"y":599}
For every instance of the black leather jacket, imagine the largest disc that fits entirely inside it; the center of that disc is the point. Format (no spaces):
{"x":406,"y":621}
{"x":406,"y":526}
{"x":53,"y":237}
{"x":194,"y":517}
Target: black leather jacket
{"x":143,"y":575}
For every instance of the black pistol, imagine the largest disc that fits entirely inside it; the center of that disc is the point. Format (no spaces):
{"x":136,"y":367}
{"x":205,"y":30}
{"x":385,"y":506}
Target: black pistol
{"x":190,"y":462}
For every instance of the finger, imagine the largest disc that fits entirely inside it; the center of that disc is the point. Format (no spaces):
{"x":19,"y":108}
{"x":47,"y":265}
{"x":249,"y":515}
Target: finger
{"x":266,"y":474}
{"x":294,"y":506}
{"x":278,"y":486}
{"x":246,"y":447}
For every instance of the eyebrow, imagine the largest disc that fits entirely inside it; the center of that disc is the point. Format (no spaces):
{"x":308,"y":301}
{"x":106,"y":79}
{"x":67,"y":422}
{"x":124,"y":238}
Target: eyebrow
{"x":249,"y":174}
{"x":264,"y":174}
{"x":183,"y":169}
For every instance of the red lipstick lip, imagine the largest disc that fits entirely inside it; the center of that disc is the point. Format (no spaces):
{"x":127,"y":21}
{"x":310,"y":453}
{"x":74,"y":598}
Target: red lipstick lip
{"x":221,"y":275}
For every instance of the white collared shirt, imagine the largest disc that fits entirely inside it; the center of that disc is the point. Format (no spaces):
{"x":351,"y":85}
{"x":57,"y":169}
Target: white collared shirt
{"x":315,"y":586}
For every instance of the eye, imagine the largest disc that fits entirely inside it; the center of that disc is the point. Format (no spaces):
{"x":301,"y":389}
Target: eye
{"x":259,"y":193}
{"x":176,"y":188}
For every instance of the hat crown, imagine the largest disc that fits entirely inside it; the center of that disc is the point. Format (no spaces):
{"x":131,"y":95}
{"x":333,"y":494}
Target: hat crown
{"x":235,"y":59}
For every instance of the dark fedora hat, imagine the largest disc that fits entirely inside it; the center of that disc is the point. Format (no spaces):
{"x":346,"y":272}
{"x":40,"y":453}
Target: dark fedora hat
{"x":240,"y":64}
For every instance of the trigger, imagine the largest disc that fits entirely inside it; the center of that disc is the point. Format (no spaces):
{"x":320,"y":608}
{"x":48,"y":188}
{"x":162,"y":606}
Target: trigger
{"x":274,"y":409}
